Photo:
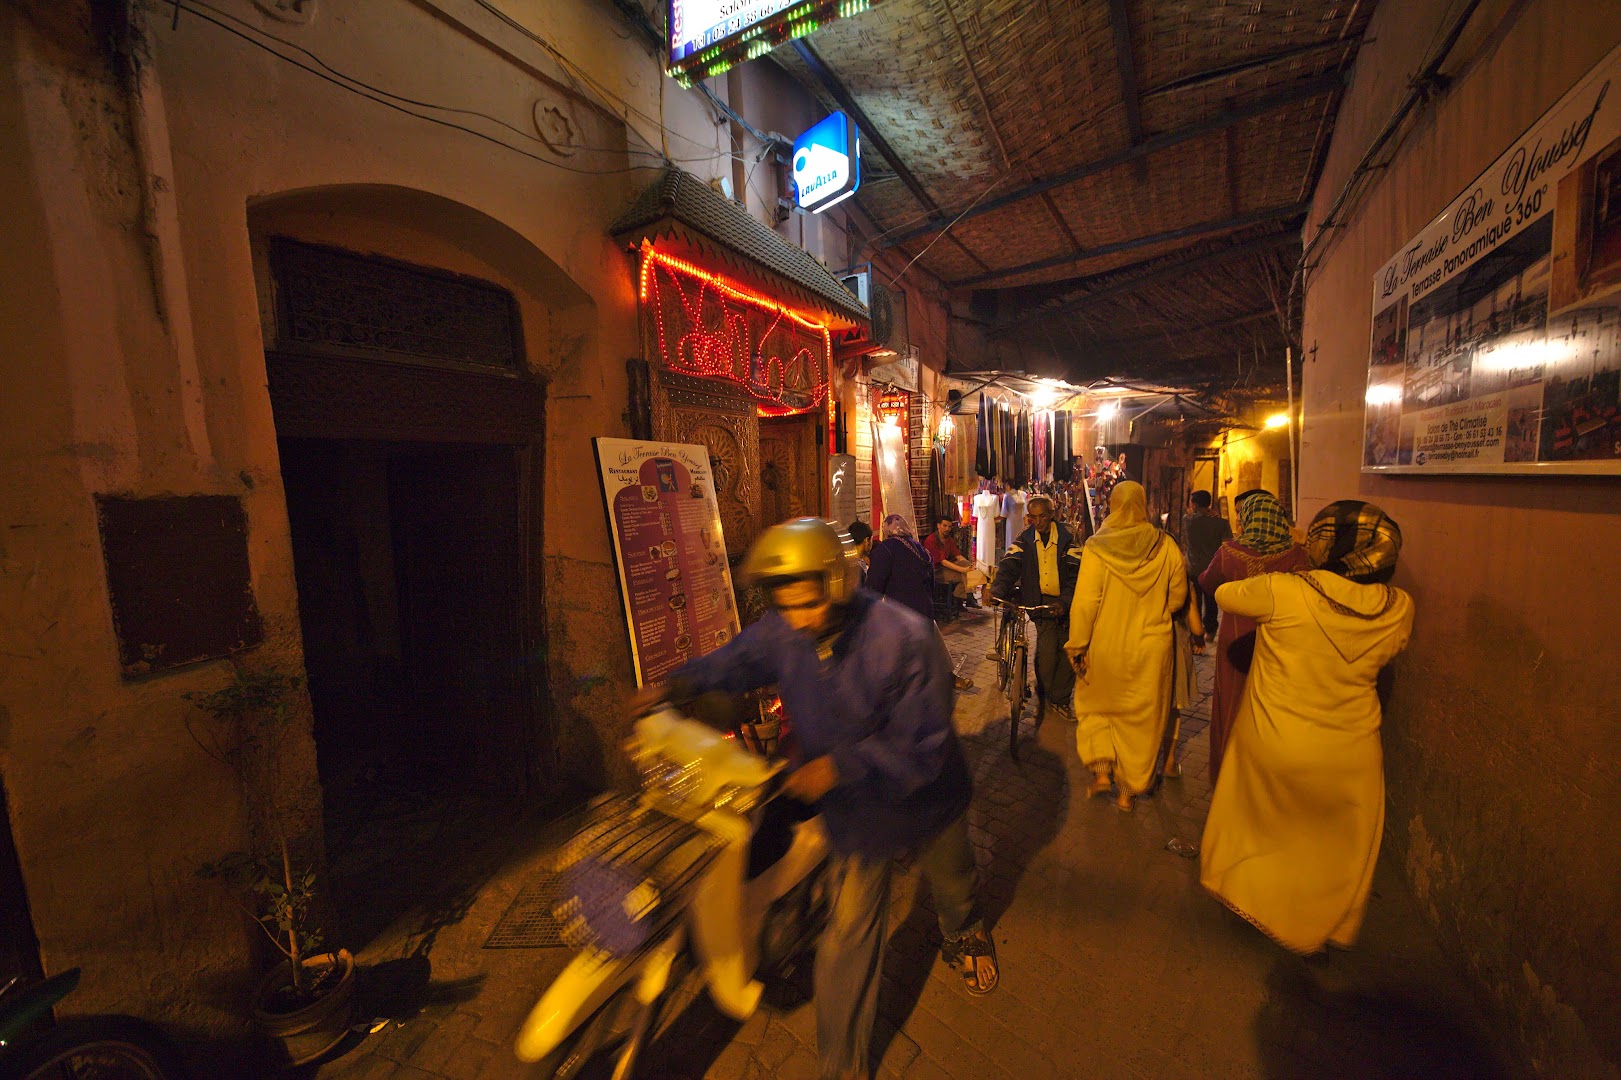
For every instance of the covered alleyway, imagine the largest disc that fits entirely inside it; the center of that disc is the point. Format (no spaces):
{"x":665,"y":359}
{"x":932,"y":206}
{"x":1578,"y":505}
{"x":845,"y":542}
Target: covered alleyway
{"x":1115,"y":962}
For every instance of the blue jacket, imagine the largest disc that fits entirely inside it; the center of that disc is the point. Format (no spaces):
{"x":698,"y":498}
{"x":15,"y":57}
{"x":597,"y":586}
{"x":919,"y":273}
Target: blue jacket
{"x":881,"y":706}
{"x":902,"y":571}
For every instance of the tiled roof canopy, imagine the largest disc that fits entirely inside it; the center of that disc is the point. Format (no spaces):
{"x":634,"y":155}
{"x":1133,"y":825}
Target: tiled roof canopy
{"x":678,"y":203}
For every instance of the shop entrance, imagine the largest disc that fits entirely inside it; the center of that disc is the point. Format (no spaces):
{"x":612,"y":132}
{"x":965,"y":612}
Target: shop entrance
{"x":411,"y":480}
{"x":790,"y":468}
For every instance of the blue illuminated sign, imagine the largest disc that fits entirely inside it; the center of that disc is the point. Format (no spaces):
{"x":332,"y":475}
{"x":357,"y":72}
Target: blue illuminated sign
{"x":827,"y":163}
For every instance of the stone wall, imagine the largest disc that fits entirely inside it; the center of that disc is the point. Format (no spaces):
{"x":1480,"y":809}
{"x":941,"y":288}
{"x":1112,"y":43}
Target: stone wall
{"x":1500,"y":731}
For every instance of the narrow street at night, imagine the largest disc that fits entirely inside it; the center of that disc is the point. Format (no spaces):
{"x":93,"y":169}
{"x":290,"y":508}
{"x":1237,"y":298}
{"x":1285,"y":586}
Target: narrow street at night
{"x":810,"y":539}
{"x":1116,"y":964}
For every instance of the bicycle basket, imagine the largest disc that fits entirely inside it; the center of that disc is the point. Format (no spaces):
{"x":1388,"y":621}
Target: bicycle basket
{"x":624,"y":877}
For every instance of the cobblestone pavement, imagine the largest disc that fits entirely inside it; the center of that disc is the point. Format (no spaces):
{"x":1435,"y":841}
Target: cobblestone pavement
{"x":1115,"y":964}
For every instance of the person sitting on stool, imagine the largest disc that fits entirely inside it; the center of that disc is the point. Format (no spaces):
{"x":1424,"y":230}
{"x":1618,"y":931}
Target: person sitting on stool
{"x":950,"y":565}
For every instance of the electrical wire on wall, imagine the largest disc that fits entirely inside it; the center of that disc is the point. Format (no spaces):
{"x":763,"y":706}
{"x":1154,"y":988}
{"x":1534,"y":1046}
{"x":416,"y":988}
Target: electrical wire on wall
{"x":410,"y":106}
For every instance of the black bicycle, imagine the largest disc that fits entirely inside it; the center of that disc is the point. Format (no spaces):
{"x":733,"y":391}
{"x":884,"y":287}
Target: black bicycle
{"x":1013,"y":665}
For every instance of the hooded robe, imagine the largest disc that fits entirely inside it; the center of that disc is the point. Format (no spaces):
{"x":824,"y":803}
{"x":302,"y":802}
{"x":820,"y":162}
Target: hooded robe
{"x":1295,"y":820}
{"x":1132,"y":580}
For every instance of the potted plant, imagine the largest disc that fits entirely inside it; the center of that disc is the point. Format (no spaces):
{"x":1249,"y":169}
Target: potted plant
{"x":307,"y":1001}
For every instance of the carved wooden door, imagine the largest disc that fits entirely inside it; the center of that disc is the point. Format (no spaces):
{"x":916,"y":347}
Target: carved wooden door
{"x":711,"y":414}
{"x":790,"y":470}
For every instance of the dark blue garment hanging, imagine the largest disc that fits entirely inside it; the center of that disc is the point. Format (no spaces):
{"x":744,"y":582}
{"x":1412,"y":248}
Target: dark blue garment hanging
{"x":982,"y":439}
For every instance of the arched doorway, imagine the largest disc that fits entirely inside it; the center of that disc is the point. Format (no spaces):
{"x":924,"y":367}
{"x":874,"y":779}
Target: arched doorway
{"x":410,"y":424}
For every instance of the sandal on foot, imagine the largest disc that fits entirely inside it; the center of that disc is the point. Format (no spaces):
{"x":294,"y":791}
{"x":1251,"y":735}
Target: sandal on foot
{"x":973,"y":954}
{"x":1100,"y":786}
{"x":1123,"y":803}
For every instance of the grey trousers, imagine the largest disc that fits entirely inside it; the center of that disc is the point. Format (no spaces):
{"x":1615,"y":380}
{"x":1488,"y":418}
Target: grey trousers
{"x":850,"y":958}
{"x":1055,"y":679}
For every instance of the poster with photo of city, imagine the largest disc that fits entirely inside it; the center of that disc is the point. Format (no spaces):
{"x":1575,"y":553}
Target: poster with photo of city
{"x":1495,"y":344}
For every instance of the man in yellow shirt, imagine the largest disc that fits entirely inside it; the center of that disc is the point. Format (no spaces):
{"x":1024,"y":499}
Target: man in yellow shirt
{"x":1039,"y":569}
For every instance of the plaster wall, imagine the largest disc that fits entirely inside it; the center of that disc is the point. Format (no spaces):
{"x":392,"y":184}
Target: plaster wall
{"x":134,"y":360}
{"x":1253,"y":451}
{"x":1500,"y":731}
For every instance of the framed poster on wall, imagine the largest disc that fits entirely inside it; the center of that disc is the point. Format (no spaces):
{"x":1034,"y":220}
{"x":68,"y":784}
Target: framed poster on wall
{"x":1496,"y":338}
{"x":670,"y":551}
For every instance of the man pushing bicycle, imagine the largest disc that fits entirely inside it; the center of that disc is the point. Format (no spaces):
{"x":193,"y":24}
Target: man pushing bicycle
{"x":1039,"y":569}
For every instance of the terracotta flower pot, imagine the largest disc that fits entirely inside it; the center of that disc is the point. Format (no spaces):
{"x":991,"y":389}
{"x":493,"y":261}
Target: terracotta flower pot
{"x":308,"y":1032}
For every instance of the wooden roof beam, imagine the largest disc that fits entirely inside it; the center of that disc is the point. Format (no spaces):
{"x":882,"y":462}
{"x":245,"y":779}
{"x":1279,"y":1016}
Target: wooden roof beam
{"x":1304,"y":90}
{"x":1257,"y":315}
{"x":1117,"y":284}
{"x":1130,"y":93}
{"x":1190,"y":232}
{"x":1227,"y":71}
{"x":830,"y":82}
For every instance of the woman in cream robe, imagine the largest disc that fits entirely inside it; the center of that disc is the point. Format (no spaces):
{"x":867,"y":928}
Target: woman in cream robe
{"x":1132,"y":580}
{"x":1295,"y":821}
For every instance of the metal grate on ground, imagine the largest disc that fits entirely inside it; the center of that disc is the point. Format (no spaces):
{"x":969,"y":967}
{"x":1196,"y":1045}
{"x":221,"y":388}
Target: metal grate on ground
{"x":529,"y":923}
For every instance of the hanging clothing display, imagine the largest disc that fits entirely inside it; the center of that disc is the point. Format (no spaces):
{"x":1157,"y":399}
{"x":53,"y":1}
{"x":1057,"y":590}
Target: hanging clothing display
{"x":941,"y":505}
{"x":1063,"y":452}
{"x":999,"y":457}
{"x":962,"y":451}
{"x":1044,"y":447}
{"x":982,"y":438}
{"x":1009,"y":445}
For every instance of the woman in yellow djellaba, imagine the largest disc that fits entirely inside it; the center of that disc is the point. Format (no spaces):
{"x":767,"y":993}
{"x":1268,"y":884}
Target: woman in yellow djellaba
{"x":1132,"y":580}
{"x":1294,"y":825}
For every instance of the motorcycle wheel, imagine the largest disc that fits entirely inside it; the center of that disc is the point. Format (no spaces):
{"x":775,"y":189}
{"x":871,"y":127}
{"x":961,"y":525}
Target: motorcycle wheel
{"x":95,"y":1048}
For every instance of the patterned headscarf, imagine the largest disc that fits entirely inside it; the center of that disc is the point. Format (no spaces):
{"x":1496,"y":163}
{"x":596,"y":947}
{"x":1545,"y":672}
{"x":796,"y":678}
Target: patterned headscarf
{"x":895,"y":525}
{"x":1264,"y":527}
{"x":1356,"y":540}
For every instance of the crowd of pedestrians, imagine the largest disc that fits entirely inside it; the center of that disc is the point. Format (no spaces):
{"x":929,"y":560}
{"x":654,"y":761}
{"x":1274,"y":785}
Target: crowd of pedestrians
{"x":1306,"y":623}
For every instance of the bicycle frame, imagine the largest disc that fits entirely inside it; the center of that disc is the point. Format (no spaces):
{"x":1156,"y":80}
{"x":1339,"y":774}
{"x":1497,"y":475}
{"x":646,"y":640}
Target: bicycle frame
{"x":1012,"y":658}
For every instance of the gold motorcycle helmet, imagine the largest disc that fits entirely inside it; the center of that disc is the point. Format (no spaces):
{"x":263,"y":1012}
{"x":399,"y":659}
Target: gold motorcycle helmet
{"x":800,"y":549}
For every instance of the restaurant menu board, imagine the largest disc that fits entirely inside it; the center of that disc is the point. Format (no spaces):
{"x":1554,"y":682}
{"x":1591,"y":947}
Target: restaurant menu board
{"x":1496,"y":344}
{"x":670,"y":550}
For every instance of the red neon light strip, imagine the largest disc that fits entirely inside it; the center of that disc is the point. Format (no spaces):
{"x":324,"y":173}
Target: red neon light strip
{"x":715,"y":353}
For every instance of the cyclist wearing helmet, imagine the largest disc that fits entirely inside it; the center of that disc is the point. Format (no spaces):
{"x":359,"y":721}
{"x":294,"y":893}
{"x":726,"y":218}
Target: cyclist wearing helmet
{"x":869,"y":687}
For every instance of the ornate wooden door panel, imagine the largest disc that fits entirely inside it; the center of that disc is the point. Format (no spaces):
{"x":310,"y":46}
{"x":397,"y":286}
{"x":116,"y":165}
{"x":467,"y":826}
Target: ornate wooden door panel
{"x":790,"y":470}
{"x":692,"y":410}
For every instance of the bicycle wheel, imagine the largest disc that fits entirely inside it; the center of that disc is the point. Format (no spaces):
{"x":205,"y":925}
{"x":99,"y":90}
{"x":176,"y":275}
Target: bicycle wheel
{"x":1003,"y":668}
{"x":1015,"y":695}
{"x":96,"y":1048}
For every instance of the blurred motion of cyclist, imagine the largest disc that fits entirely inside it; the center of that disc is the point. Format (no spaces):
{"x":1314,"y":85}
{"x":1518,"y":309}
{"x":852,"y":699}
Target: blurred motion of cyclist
{"x":869,"y":687}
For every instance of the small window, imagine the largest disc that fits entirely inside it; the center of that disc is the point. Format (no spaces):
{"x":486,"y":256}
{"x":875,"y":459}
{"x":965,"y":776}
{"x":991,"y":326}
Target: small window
{"x":177,"y":573}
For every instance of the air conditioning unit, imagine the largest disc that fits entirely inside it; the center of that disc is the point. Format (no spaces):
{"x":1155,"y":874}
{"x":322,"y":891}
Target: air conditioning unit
{"x":859,"y":283}
{"x":886,"y":306}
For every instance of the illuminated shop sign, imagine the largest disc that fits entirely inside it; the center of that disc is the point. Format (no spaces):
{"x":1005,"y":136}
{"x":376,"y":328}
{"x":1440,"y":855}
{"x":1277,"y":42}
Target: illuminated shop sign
{"x":827,"y":163}
{"x":708,"y":325}
{"x":709,"y":36}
